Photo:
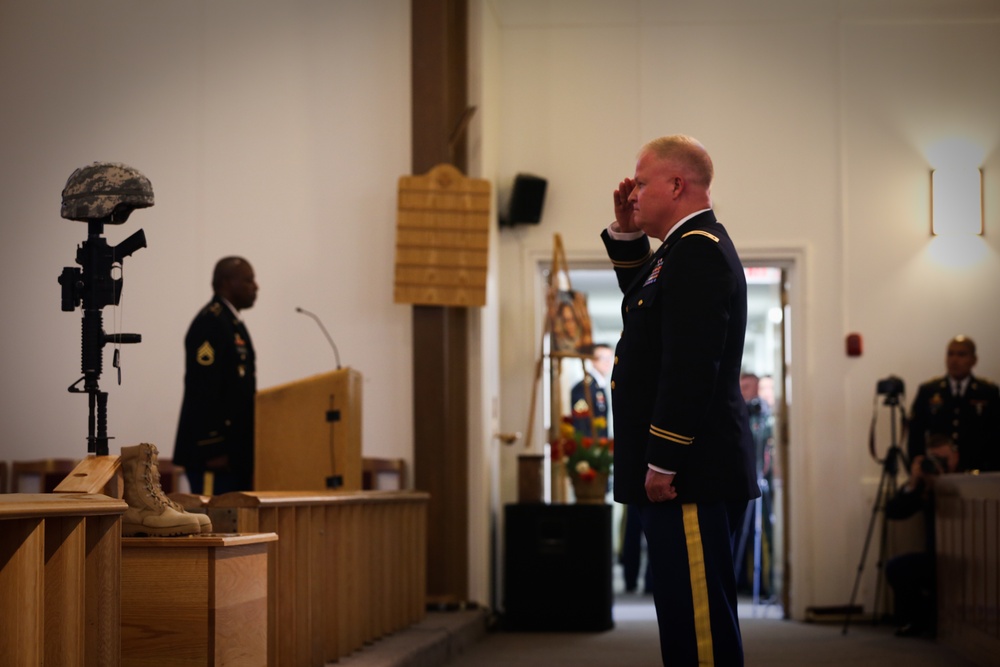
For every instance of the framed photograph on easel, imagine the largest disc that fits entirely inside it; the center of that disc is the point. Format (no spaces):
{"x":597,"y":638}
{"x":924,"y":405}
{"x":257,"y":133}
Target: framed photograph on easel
{"x":568,"y":318}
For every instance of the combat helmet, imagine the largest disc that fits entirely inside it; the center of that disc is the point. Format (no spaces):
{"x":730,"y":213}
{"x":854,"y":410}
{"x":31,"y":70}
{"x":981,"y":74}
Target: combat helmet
{"x":107,"y":191}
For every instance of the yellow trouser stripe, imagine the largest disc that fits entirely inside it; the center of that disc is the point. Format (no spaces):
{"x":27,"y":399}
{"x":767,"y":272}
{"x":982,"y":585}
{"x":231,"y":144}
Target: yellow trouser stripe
{"x":699,"y":585}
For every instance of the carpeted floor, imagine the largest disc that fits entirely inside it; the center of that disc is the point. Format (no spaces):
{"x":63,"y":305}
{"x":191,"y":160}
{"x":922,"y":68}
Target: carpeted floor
{"x":768,"y":642}
{"x":462,"y":638}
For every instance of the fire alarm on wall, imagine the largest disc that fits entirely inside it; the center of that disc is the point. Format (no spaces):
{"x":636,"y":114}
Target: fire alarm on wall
{"x":854,"y":345}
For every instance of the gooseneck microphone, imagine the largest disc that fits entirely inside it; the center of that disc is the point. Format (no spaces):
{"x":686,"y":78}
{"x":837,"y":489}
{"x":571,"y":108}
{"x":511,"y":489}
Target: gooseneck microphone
{"x":325,"y":332}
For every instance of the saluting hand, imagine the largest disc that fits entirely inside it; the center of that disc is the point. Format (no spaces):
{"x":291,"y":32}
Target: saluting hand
{"x":624,"y":214}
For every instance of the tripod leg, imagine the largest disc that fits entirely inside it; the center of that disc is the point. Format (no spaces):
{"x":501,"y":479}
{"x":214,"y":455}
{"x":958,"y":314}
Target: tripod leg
{"x":880,"y":567}
{"x":876,"y":506}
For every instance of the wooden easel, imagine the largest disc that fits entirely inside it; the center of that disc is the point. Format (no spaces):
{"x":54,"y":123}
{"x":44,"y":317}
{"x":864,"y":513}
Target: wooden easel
{"x":558,"y":473}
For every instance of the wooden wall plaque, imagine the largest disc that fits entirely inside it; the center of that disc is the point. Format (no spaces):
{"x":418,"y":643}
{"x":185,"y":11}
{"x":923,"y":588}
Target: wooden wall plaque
{"x":442,"y":239}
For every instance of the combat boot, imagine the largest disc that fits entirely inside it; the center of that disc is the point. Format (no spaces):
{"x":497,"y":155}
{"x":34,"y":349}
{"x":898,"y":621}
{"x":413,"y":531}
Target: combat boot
{"x":149,"y":510}
{"x":204,"y":523}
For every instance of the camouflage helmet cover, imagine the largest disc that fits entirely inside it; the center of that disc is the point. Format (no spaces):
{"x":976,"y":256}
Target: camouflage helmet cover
{"x":95,"y":191}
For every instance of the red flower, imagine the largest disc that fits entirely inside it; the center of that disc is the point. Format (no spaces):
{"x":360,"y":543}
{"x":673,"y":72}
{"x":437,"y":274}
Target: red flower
{"x":585,"y":457}
{"x":568,"y":446}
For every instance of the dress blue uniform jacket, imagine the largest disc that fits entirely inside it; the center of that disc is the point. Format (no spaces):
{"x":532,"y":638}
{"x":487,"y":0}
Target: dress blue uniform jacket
{"x":582,"y":421}
{"x":972,"y":421}
{"x":220,"y":382}
{"x":675,"y":387}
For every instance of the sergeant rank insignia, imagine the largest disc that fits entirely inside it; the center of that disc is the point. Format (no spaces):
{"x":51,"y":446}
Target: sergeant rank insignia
{"x":206,"y":355}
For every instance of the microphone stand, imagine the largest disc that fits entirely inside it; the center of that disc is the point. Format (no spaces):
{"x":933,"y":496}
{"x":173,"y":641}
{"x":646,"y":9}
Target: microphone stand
{"x":332,"y":415}
{"x":326,"y":333}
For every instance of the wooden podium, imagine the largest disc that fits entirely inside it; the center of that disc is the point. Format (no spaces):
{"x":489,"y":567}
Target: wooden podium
{"x":309,"y":431}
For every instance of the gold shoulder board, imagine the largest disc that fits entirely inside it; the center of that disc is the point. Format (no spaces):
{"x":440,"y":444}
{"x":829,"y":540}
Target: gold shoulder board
{"x":698,"y":231}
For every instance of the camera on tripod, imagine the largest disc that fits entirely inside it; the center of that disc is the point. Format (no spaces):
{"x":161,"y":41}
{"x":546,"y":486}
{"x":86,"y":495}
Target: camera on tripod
{"x":891,"y":386}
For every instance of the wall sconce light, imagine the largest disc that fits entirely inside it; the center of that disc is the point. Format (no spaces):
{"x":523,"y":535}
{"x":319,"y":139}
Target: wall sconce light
{"x":956,"y":201}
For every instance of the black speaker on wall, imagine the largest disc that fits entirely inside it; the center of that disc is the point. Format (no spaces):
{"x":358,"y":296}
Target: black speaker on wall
{"x":526,"y":200}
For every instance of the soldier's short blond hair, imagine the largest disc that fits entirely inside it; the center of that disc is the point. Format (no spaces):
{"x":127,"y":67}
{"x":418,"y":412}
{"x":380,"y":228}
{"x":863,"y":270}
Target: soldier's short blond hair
{"x":686,"y":151}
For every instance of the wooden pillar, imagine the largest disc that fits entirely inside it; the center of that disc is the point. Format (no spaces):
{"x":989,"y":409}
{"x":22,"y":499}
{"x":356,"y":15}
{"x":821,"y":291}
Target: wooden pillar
{"x":440,"y":363}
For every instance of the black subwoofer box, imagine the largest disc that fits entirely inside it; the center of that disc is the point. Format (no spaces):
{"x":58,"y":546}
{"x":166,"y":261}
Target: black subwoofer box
{"x":557,"y":567}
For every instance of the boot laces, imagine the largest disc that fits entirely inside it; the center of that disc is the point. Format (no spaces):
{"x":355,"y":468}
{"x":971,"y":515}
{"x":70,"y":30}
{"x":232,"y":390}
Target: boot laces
{"x":151,"y":478}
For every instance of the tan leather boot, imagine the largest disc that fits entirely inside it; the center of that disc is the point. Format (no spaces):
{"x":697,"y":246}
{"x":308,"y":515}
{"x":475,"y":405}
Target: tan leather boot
{"x":149,"y":510}
{"x":204,"y":521}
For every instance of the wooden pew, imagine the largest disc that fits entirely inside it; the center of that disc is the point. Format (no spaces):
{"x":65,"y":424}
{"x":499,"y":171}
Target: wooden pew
{"x":349,"y":567}
{"x":45,"y":473}
{"x":209,"y":591}
{"x":968,"y":564}
{"x":60,"y":587}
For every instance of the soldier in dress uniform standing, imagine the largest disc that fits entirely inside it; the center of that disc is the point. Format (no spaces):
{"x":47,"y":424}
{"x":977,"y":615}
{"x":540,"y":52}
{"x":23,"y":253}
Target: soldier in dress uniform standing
{"x":684,"y":453}
{"x":961,"y":406}
{"x":216,"y":428}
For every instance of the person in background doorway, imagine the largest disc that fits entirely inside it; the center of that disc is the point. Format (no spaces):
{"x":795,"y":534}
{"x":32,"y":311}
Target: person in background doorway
{"x":755,"y":554}
{"x":215,"y":432}
{"x":765,"y":389}
{"x":683,"y":447}
{"x":592,"y":391}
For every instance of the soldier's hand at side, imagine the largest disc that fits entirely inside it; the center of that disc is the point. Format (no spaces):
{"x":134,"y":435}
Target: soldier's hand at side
{"x":660,"y":486}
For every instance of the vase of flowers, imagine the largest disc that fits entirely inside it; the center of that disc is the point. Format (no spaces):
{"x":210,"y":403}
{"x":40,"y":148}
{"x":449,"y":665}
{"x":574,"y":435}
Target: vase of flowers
{"x":587,"y":459}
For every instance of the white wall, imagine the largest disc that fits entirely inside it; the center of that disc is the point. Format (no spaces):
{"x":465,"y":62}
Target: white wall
{"x":820,"y":118}
{"x":273,"y":130}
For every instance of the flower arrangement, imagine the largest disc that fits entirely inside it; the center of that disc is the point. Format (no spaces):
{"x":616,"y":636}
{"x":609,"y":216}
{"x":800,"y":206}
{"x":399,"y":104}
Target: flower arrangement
{"x":585,"y":456}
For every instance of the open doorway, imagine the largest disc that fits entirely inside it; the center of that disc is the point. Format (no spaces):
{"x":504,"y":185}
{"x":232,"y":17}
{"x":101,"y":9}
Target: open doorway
{"x":761,"y":553}
{"x":767,"y":354}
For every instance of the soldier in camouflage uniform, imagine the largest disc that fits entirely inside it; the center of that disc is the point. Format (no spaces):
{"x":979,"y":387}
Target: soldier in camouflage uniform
{"x":216,"y":428}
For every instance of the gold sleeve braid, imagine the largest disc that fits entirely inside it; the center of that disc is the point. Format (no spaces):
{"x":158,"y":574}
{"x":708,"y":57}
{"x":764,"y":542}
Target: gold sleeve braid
{"x":670,"y":436}
{"x":632,"y":263}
